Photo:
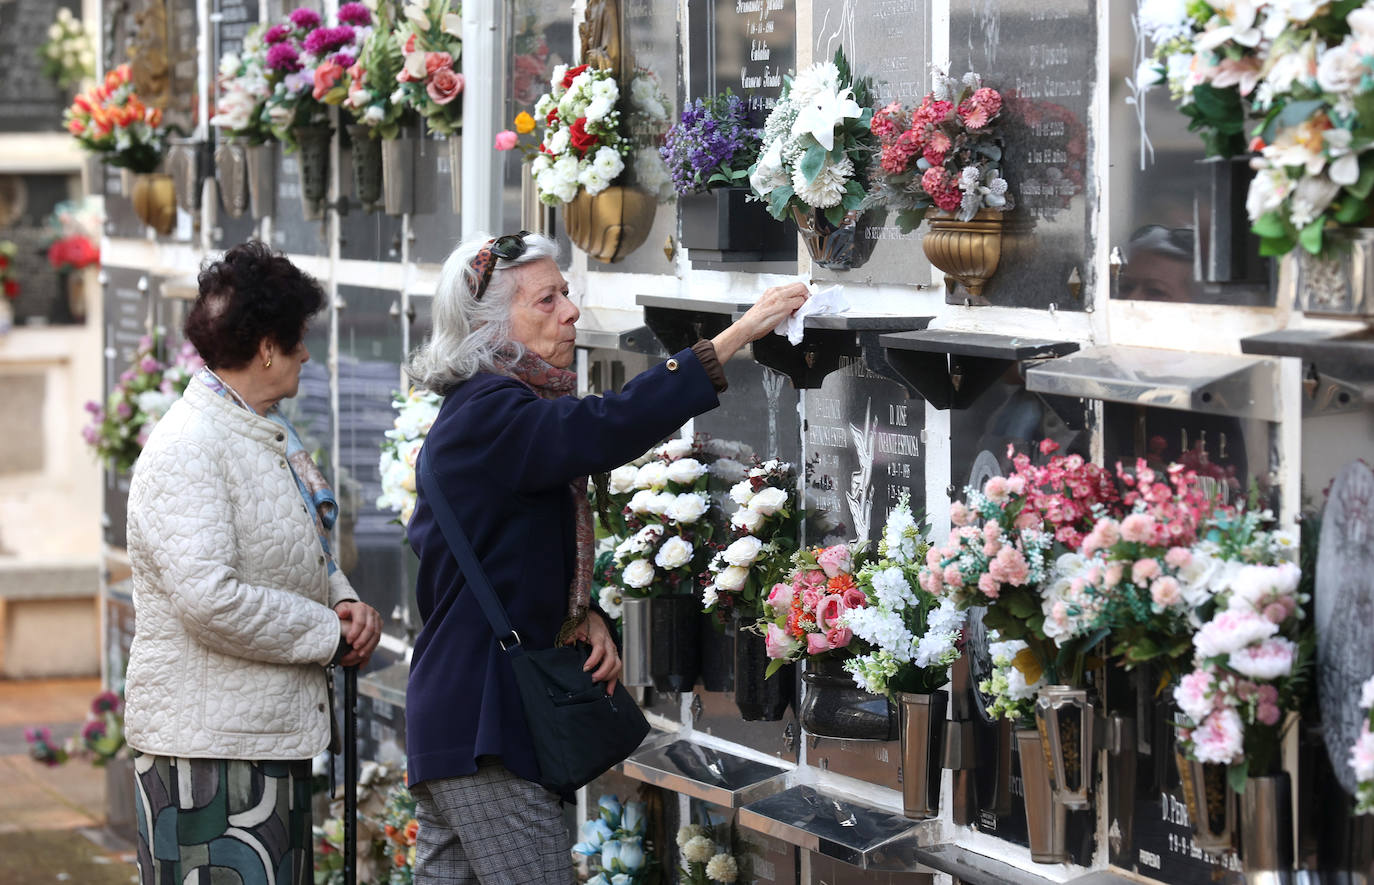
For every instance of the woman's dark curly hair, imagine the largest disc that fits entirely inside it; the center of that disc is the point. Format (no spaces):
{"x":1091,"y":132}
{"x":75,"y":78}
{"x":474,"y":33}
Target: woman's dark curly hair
{"x":250,"y":294}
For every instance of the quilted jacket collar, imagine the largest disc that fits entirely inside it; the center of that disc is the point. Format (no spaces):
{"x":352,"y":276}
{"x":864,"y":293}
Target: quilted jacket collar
{"x":233,"y":418}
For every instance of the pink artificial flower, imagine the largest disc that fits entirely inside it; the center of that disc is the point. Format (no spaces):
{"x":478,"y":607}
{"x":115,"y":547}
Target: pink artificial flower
{"x":839,"y":637}
{"x":506,"y":139}
{"x":1165,"y":592}
{"x":933,"y":555}
{"x":953,"y":577}
{"x":1010,"y":567}
{"x":1193,"y":694}
{"x":959,"y":514}
{"x":435,"y":61}
{"x":817,"y":643}
{"x":1178,"y":557}
{"x":1112,"y":576}
{"x":777,"y":643}
{"x":989,"y":586}
{"x":855,"y":598}
{"x":1138,"y":528}
{"x":1278,"y":612}
{"x":444,"y":85}
{"x":1269,"y":659}
{"x":1219,"y":738}
{"x":829,"y":610}
{"x":929,"y":579}
{"x":1362,"y":754}
{"x":327,"y":76}
{"x":1231,"y":630}
{"x":991,"y":531}
{"x":1029,"y":519}
{"x":1016,"y":484}
{"x":812,"y":578}
{"x":996,"y":487}
{"x":811,"y":597}
{"x":1267,"y":714}
{"x":780,"y":597}
{"x":990,"y":548}
{"x":835,"y":560}
{"x":1144,"y":570}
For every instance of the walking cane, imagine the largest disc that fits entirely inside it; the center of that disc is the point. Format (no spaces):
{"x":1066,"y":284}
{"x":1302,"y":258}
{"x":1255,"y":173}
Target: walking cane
{"x":350,"y":852}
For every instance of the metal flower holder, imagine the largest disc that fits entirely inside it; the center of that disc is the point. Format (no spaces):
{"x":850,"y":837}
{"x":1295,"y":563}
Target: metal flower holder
{"x":367,"y":166}
{"x":1211,"y":803}
{"x":314,"y":143}
{"x":1046,"y":819}
{"x":635,"y":639}
{"x":1266,"y":824}
{"x":262,"y":178}
{"x":835,"y":247}
{"x":231,"y":175}
{"x":833,"y":706}
{"x":398,"y":174}
{"x":923,"y":732}
{"x":1064,"y":718}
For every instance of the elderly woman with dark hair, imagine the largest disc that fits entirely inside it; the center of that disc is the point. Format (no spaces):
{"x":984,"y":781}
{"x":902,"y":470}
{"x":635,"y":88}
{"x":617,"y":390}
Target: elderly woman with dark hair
{"x":239,"y":607}
{"x":511,"y":451}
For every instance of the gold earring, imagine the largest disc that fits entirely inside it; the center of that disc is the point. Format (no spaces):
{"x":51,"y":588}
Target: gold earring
{"x":268,"y":364}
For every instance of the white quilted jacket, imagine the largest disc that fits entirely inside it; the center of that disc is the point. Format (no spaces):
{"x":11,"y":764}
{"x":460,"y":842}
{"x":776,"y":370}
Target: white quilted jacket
{"x":232,"y":597}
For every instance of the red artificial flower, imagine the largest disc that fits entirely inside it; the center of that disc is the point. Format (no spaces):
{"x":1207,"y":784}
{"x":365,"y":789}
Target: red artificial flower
{"x":4,"y":262}
{"x":552,"y":117}
{"x":12,"y":288}
{"x":572,"y":75}
{"x":581,"y":139}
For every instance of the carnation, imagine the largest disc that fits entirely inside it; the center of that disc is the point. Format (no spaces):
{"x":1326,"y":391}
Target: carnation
{"x":1267,"y":660}
{"x":698,"y":849}
{"x":1218,"y":739}
{"x":1230,"y":631}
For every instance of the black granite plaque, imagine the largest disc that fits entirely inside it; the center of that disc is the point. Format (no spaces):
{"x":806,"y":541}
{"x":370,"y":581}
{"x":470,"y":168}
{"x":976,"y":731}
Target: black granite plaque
{"x":743,"y":45}
{"x":369,"y":375}
{"x":291,"y":233}
{"x":231,"y":22}
{"x":889,"y":42}
{"x":1042,"y":58}
{"x":128,"y":314}
{"x":1178,"y":220}
{"x":29,"y":101}
{"x":763,"y":859}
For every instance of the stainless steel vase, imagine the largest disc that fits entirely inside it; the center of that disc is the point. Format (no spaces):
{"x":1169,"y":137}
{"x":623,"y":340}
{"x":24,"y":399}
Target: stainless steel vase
{"x":262,"y":178}
{"x":455,"y":170}
{"x":1064,"y":717}
{"x":1266,"y":830}
{"x":231,"y":175}
{"x":634,"y":640}
{"x":398,"y":174}
{"x":923,"y":732}
{"x":1045,"y":818}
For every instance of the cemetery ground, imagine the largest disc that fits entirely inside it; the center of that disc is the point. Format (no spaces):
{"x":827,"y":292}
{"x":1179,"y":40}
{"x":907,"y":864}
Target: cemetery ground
{"x":52,"y":820}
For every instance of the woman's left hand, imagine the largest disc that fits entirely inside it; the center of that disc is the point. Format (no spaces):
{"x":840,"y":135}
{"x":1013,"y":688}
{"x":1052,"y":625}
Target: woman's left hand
{"x":362,"y":630}
{"x":604,"y":660}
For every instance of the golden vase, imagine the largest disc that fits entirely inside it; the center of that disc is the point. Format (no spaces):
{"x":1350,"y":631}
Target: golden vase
{"x":154,"y":198}
{"x":611,"y":224}
{"x":967,"y":251}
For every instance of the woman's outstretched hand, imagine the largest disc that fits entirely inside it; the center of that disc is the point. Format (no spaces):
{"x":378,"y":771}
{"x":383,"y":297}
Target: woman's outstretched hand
{"x":774,"y":306}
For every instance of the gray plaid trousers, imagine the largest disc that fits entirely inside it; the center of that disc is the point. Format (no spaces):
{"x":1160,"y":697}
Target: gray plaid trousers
{"x":490,"y":827}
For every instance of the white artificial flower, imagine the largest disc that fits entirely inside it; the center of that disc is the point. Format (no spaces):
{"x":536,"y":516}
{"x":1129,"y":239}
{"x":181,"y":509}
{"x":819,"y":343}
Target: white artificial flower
{"x":1367,"y":694}
{"x":768,"y":172}
{"x":611,"y":600}
{"x":675,"y":448}
{"x":1268,"y":189}
{"x":744,"y":551}
{"x":660,"y":502}
{"x":592,"y":180}
{"x":622,"y":479}
{"x":638,"y":574}
{"x":728,"y":471}
{"x":373,"y":116}
{"x":640,"y":501}
{"x":1164,"y":20}
{"x":819,"y":77}
{"x":698,"y":849}
{"x":768,"y":501}
{"x":1345,"y":163}
{"x":653,"y":475}
{"x":685,"y":471}
{"x":827,"y":189}
{"x":675,"y":553}
{"x":1311,"y":198}
{"x":688,"y":508}
{"x":1230,"y":631}
{"x":732,"y":579}
{"x":598,"y":108}
{"x":540,"y":163}
{"x":1266,"y":660}
{"x":819,"y":116}
{"x":710,"y":595}
{"x":228,"y":66}
{"x":608,"y":162}
{"x":558,"y":140}
{"x":742,"y":492}
{"x":747,"y":519}
{"x":556,"y":80}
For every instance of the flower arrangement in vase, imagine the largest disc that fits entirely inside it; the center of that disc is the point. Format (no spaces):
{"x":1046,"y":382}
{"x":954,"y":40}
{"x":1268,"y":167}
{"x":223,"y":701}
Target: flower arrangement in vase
{"x":101,"y":737}
{"x":72,"y":253}
{"x":1362,"y":752}
{"x":614,"y":843}
{"x":415,"y":414}
{"x":941,"y":161}
{"x":580,"y":148}
{"x":368,"y":94}
{"x":703,"y":860}
{"x":303,"y":60}
{"x":765,"y":527}
{"x":241,"y":104}
{"x":815,"y":156}
{"x":386,"y":834}
{"x":68,"y":55}
{"x":1295,"y":76}
{"x":430,"y":36}
{"x":112,"y":121}
{"x":804,"y":617}
{"x":141,"y":396}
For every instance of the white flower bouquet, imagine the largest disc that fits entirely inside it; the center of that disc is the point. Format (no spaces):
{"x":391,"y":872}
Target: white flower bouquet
{"x":817,"y":146}
{"x":580,"y":147}
{"x":241,"y":106}
{"x":1362,"y":752}
{"x":1007,"y":695}
{"x":703,"y":860}
{"x":765,"y":526}
{"x":415,"y":414}
{"x":912,"y":636}
{"x":68,"y":54}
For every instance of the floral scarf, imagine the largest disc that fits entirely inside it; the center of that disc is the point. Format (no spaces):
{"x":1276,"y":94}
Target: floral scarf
{"x":549,"y":382}
{"x":310,"y":482}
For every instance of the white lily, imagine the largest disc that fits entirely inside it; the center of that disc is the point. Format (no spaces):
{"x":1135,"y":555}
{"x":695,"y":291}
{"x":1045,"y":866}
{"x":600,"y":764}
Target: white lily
{"x":415,"y":65}
{"x":1345,"y":165}
{"x":823,"y":113}
{"x":415,"y":14}
{"x":453,"y":24}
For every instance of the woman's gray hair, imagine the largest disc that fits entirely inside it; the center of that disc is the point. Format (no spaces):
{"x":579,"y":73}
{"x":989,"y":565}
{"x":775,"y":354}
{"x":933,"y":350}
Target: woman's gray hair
{"x":471,"y":336}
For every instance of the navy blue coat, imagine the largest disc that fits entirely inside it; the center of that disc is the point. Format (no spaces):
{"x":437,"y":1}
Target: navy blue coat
{"x":504,"y":458}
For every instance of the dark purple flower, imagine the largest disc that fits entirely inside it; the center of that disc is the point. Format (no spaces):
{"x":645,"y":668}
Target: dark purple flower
{"x":711,"y":136}
{"x":323,"y":41}
{"x":355,"y":14}
{"x":105,"y":702}
{"x":344,"y":60}
{"x":94,"y":730}
{"x":276,"y":34}
{"x":305,"y":19}
{"x":284,"y":58}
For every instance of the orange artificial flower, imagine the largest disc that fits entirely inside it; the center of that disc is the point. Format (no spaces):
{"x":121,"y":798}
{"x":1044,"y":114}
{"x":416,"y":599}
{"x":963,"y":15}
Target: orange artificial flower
{"x":524,"y":123}
{"x":411,"y":829}
{"x":390,"y":831}
{"x":399,"y":859}
{"x":840,"y":583}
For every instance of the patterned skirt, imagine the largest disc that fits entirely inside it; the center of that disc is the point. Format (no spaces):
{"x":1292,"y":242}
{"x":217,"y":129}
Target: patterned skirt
{"x":211,"y":821}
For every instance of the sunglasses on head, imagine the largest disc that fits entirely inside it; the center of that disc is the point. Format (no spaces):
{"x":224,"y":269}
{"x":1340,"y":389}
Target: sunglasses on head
{"x":506,"y":248}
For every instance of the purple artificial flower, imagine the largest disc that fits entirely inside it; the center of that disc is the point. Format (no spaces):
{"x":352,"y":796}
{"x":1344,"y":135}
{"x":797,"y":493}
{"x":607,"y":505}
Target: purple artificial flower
{"x":90,"y":434}
{"x":284,"y":58}
{"x":124,"y":410}
{"x":344,"y":60}
{"x":355,"y":14}
{"x":93,"y":407}
{"x":105,"y":702}
{"x":94,"y":730}
{"x":149,"y":365}
{"x":323,"y":41}
{"x":305,"y":19}
{"x":276,"y":34}
{"x":711,"y":136}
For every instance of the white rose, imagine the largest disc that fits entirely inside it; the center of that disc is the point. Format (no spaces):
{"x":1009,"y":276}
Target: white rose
{"x":744,"y":551}
{"x":638,"y":574}
{"x":608,"y":162}
{"x":768,"y":501}
{"x":675,"y":448}
{"x":685,"y":471}
{"x":747,"y":519}
{"x":373,"y":116}
{"x":640,"y":502}
{"x":592,"y":180}
{"x":742,"y":492}
{"x":558,"y":141}
{"x":688,"y":508}
{"x":622,"y":479}
{"x":598,"y":108}
{"x":675,"y":553}
{"x":732,"y":579}
{"x":653,"y":475}
{"x":660,"y":502}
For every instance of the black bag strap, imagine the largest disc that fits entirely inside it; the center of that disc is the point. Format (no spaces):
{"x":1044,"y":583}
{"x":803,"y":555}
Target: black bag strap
{"x":467,"y":559}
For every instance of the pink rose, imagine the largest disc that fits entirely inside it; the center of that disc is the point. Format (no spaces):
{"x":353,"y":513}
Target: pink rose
{"x":1143,"y":571}
{"x":959,"y":513}
{"x":817,"y":643}
{"x":1218,"y":739}
{"x":812,"y":578}
{"x":839,"y":637}
{"x":1138,"y":528}
{"x":780,"y":597}
{"x":835,"y":560}
{"x":1165,"y":592}
{"x":811,"y":597}
{"x":1178,"y":557}
{"x":996,"y":489}
{"x":434,"y":61}
{"x":855,"y":598}
{"x":327,"y":76}
{"x":988,"y":585}
{"x":829,"y":610}
{"x":506,"y":139}
{"x":1016,"y":484}
{"x":777,"y":643}
{"x":444,"y":85}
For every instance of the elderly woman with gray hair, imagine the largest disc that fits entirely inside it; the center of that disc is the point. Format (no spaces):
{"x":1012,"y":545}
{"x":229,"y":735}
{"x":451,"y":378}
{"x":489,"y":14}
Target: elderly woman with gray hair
{"x":511,"y":450}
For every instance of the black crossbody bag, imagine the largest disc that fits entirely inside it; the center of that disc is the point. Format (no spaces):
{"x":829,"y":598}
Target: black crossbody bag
{"x":579,"y":731}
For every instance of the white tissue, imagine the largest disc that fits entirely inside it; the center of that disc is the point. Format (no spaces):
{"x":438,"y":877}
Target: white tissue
{"x":826,"y":302}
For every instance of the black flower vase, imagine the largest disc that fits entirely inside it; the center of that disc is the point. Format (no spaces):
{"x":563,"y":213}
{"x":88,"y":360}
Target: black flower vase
{"x":760,"y":699}
{"x":833,"y":706}
{"x":717,"y":651}
{"x":675,"y":641}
